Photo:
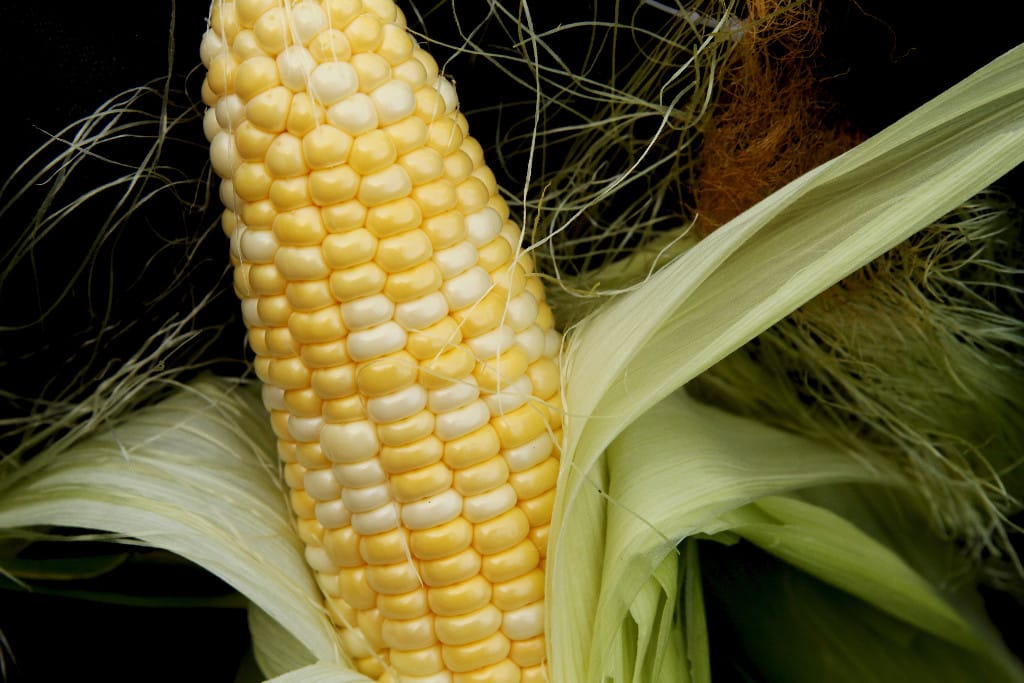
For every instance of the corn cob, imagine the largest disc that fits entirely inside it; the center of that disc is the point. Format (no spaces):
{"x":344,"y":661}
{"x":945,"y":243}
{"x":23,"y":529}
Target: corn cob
{"x":407,"y":354}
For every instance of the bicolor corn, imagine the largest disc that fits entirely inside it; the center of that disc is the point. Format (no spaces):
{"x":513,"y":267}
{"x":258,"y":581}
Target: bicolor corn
{"x":408,"y":357}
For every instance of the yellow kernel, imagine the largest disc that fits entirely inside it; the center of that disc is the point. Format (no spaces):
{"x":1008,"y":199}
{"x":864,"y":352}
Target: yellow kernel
{"x":361,"y":280}
{"x":501,"y":532}
{"x":371,"y":152}
{"x":408,"y":134}
{"x":354,"y":584}
{"x":481,"y":477}
{"x":244,"y":47}
{"x":271,"y":30}
{"x":444,"y":135}
{"x":269,"y":109}
{"x":476,"y":447}
{"x":429,"y":103}
{"x":310,"y":455}
{"x":422,"y":483}
{"x":280,"y":342}
{"x":386,"y":375}
{"x":317,"y":326}
{"x":449,"y":570}
{"x":504,"y":671}
{"x":529,"y":653}
{"x":538,"y":510}
{"x":336,"y":382}
{"x":220,"y":77}
{"x":279,"y":423}
{"x":252,"y":181}
{"x":500,"y":372}
{"x":460,"y":598}
{"x":536,"y":480}
{"x":520,"y":425}
{"x":346,"y":409}
{"x":258,"y":341}
{"x":545,"y":378}
{"x":248,"y":11}
{"x":445,"y":229}
{"x":384,"y":186}
{"x":256,"y":75}
{"x":396,"y":44}
{"x":393,"y":579}
{"x":330,"y":45}
{"x":404,"y":432}
{"x":435,"y":197}
{"x":411,"y":72}
{"x":302,"y":505}
{"x":347,"y":249}
{"x":252,"y":142}
{"x":494,"y":254}
{"x":365,"y":33}
{"x":299,"y":227}
{"x":512,"y":563}
{"x":370,"y":623}
{"x":393,"y":218}
{"x":326,"y":146}
{"x":290,"y":193}
{"x":371,"y":667}
{"x":403,"y":606}
{"x":433,"y":340}
{"x":472,"y":195}
{"x":409,"y":634}
{"x":422,"y":164}
{"x":519,"y":591}
{"x":324,"y":354}
{"x":288,"y":373}
{"x":411,"y":456}
{"x":301,"y":263}
{"x":451,"y":366}
{"x":260,"y":213}
{"x":333,"y":185}
{"x":274,"y":310}
{"x":441,"y":541}
{"x":304,"y":116}
{"x":294,"y":473}
{"x":510,"y":281}
{"x":341,"y":12}
{"x":343,"y":217}
{"x":484,"y":316}
{"x":342,"y":545}
{"x":385,"y":548}
{"x":422,"y":662}
{"x":457,"y":166}
{"x":413,"y":283}
{"x":372,"y":70}
{"x":477,"y":655}
{"x":466,"y":628}
{"x":537,"y":673}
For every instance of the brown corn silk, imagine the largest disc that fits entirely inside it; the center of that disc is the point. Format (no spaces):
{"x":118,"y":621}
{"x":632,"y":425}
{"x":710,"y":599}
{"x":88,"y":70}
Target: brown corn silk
{"x":408,"y":356}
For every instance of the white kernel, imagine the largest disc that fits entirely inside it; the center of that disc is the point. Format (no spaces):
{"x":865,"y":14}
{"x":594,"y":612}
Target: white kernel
{"x":525,"y":622}
{"x":510,"y":397}
{"x":421,"y":313}
{"x":360,"y":474}
{"x":367,"y":498}
{"x":349,"y":441}
{"x":452,"y":425}
{"x":258,"y":246}
{"x":332,"y":514}
{"x":332,"y":82}
{"x":454,"y":396}
{"x":552,"y":344}
{"x":532,"y":342}
{"x":224,"y":154}
{"x":211,"y":126}
{"x":433,"y":511}
{"x":466,"y":289}
{"x":305,"y":429}
{"x":485,"y":506}
{"x":356,"y":114}
{"x":367,"y":311}
{"x":531,"y":453}
{"x":251,"y":317}
{"x":230,"y":111}
{"x":211,"y":46}
{"x":228,"y":197}
{"x":522,"y":311}
{"x":307,"y":20}
{"x":397,"y":405}
{"x":273,"y":397}
{"x":490,"y":344}
{"x":483,"y":226}
{"x":448,"y":93}
{"x":318,"y":559}
{"x":384,"y":518}
{"x":394,"y":101}
{"x":455,"y":260}
{"x":376,"y":341}
{"x":295,"y":64}
{"x":321,"y":484}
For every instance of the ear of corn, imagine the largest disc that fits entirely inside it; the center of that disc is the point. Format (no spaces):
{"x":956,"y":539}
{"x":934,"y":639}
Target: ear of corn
{"x":407,"y":353}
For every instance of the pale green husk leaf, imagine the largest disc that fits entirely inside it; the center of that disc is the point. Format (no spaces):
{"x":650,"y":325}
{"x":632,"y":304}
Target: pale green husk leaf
{"x":734,"y":284}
